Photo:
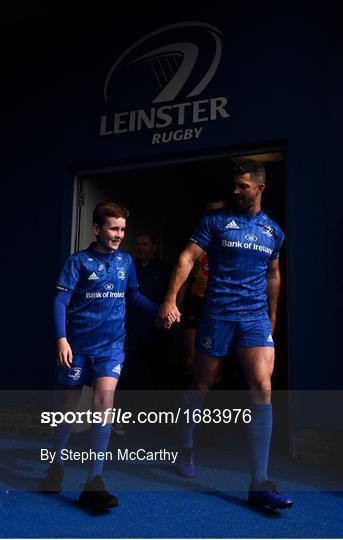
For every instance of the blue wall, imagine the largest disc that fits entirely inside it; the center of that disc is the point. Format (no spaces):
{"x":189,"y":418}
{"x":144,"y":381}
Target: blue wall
{"x":281,"y":74}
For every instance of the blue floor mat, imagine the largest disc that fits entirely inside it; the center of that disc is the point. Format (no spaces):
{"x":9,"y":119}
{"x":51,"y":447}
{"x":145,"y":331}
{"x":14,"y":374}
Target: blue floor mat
{"x":155,"y":503}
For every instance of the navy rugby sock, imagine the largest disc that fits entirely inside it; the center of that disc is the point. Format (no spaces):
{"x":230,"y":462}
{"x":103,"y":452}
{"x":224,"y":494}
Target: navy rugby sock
{"x":192,"y":399}
{"x":60,"y":439}
{"x":259,"y":434}
{"x":99,"y":439}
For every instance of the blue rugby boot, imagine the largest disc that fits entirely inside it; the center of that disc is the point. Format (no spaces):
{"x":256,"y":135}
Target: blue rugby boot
{"x":266,"y":495}
{"x":185,"y":463}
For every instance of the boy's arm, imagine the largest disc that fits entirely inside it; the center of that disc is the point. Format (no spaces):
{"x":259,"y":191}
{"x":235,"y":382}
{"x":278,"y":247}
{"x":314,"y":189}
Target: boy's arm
{"x":66,"y":284}
{"x":139,"y":301}
{"x":64,"y":355}
{"x":135,"y":298}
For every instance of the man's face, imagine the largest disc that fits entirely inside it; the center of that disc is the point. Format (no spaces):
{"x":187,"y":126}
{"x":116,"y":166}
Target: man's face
{"x":110,"y":235}
{"x":246,"y":192}
{"x":145,"y":248}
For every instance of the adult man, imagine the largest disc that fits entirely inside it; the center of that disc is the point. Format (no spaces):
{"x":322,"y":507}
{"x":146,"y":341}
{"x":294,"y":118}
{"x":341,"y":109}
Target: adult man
{"x":153,"y":273}
{"x":145,"y":344}
{"x":239,"y":309}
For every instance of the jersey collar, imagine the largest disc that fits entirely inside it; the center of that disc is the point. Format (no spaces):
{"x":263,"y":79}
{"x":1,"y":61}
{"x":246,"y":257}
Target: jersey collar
{"x":260,"y":215}
{"x":104,"y":257}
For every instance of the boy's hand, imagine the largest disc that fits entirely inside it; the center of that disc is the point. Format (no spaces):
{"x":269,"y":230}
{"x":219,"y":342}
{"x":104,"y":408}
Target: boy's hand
{"x":164,"y":323}
{"x":64,"y":354}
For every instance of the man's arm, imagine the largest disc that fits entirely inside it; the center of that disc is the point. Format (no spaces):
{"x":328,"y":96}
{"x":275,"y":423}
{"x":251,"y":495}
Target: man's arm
{"x":273,"y":290}
{"x":179,"y":275}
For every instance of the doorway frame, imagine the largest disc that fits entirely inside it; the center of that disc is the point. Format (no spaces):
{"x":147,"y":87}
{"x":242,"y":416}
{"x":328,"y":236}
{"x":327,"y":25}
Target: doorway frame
{"x":251,"y":150}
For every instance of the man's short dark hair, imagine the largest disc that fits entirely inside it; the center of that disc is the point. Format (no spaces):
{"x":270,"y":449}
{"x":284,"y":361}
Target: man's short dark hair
{"x":255,"y":168}
{"x":106,"y":209}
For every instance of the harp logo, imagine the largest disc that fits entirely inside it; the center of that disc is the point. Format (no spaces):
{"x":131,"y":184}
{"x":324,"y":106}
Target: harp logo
{"x":176,"y":62}
{"x":172,"y":64}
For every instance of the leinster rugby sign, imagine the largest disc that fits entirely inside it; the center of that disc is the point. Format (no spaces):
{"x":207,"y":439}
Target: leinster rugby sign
{"x":169,"y":69}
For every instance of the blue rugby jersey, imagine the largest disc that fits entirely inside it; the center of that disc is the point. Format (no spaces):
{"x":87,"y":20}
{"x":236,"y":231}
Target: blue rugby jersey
{"x":239,"y":249}
{"x":96,"y":311}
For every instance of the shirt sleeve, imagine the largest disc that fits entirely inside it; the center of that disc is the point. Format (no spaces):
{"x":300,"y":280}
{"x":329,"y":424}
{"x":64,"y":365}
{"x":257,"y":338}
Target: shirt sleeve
{"x":70,"y":275}
{"x":203,"y":233}
{"x":135,"y":298}
{"x":60,"y":308}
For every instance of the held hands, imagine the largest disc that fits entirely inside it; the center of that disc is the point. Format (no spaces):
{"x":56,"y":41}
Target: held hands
{"x":64,"y":354}
{"x":168,"y":314}
{"x":164,"y":324}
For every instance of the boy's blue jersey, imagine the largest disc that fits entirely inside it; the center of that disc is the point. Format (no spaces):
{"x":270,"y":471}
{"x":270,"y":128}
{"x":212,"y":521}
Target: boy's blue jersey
{"x":239,"y":249}
{"x":96,"y":311}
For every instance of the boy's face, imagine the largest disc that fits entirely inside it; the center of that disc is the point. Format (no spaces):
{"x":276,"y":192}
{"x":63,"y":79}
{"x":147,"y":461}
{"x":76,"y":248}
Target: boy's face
{"x":110,"y":235}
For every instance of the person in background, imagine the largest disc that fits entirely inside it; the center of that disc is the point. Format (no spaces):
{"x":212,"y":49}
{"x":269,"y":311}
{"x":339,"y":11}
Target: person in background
{"x":153,"y":273}
{"x":147,"y":346}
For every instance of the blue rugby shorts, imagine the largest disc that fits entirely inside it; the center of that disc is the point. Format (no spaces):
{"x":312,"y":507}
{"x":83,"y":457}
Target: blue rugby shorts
{"x":214,"y":336}
{"x":87,"y":367}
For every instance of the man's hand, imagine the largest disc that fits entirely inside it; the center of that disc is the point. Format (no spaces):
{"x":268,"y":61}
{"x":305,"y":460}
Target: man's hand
{"x":169,"y":313}
{"x":64,"y":354}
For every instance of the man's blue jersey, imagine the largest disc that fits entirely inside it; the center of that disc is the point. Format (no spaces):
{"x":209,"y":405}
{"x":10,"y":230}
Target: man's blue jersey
{"x":96,"y":312}
{"x":239,"y":249}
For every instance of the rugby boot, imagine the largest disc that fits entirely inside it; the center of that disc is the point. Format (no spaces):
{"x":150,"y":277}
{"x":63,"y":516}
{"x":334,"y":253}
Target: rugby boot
{"x":52,"y":483}
{"x":266,"y":495}
{"x":185,"y":463}
{"x":95,"y":495}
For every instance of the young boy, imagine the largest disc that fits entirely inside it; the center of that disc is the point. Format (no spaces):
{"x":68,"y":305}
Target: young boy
{"x":89,"y":314}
